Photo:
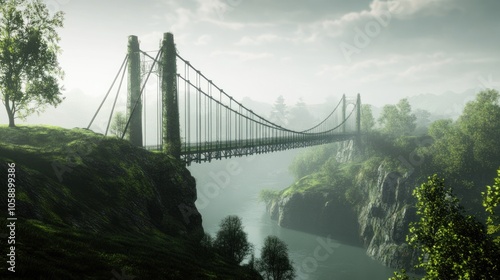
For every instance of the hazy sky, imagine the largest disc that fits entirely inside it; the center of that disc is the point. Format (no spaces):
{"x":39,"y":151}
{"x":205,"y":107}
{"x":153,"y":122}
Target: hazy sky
{"x":385,"y":50}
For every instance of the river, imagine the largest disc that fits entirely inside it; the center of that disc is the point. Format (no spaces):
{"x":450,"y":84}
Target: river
{"x":232,"y":186}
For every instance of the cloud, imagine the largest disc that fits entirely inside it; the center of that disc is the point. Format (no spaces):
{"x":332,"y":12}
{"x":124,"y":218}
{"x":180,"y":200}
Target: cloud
{"x":203,"y":40}
{"x":429,"y":66}
{"x":244,"y":56}
{"x":382,"y":11}
{"x":259,"y":40}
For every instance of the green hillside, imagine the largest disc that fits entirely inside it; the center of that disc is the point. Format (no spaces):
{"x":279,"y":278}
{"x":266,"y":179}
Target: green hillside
{"x":94,"y":207}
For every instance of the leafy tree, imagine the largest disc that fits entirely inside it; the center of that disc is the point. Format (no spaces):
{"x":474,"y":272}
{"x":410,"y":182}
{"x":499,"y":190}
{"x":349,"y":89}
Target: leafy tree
{"x":300,"y":118}
{"x":274,"y":263}
{"x":29,"y":69}
{"x":452,"y":245}
{"x":422,"y":117}
{"x":398,"y":120}
{"x":311,"y":160}
{"x":491,"y":203}
{"x":480,"y":120}
{"x":119,"y":123}
{"x":440,"y":128}
{"x":468,"y":147}
{"x":452,"y":152}
{"x":367,"y":120}
{"x":279,"y":113}
{"x":207,"y":243}
{"x":231,"y":241}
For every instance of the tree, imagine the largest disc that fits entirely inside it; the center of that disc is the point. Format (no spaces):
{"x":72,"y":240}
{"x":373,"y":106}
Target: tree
{"x":397,"y":120}
{"x":231,"y":241}
{"x":29,"y":69}
{"x":367,"y":120}
{"x":440,"y":128}
{"x":206,"y":243}
{"x":274,"y":263}
{"x":300,"y":118}
{"x":119,"y":123}
{"x":422,"y":118}
{"x":452,"y":151}
{"x":311,"y":160}
{"x":452,"y":245}
{"x":491,"y":203}
{"x":279,"y":113}
{"x":480,"y":120}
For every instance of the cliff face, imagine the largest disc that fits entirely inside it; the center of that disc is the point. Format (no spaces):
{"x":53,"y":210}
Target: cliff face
{"x":97,"y":184}
{"x":94,"y":207}
{"x":378,"y":219}
{"x":384,"y":218}
{"x":315,"y":212}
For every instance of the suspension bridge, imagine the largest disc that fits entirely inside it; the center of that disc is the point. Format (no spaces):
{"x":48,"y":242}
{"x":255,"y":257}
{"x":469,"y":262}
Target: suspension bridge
{"x":211,"y":124}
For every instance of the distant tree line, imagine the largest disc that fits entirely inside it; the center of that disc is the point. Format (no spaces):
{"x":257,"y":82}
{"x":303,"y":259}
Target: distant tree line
{"x":297,"y":117}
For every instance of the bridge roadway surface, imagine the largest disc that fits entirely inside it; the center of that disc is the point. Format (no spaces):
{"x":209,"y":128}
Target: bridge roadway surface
{"x":201,"y":152}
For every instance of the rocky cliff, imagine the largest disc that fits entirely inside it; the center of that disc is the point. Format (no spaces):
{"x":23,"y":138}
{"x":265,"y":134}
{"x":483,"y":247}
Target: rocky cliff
{"x":373,"y":213}
{"x":384,"y":217}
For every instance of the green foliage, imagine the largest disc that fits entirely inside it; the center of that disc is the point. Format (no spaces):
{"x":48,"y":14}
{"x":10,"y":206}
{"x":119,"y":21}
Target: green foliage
{"x":491,"y":202}
{"x":369,"y":169}
{"x":29,"y":69}
{"x":54,"y":252}
{"x":397,"y":120}
{"x":307,"y":183}
{"x":118,"y":124}
{"x":381,"y":144}
{"x":481,"y":122}
{"x":422,"y":118}
{"x":469,"y":145}
{"x":339,"y":177}
{"x":367,"y":120}
{"x":231,"y":241}
{"x":117,"y":198}
{"x":452,"y":153}
{"x":311,"y":160}
{"x":207,"y":243}
{"x":274,"y":263}
{"x":400,"y":275}
{"x":440,"y":128}
{"x":268,"y":196}
{"x":171,"y":128}
{"x":452,"y":245}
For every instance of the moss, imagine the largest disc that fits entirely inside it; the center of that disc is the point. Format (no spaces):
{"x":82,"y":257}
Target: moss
{"x":84,"y":209}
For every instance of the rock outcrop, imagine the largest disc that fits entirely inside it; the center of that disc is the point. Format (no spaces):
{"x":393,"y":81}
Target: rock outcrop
{"x":385,"y":216}
{"x":379,"y":222}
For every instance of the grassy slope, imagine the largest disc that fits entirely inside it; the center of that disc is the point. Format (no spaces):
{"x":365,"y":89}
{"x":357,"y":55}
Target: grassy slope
{"x":111,"y":212}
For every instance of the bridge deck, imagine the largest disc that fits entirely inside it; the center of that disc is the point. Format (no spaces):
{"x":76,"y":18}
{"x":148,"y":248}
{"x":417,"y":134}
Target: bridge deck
{"x":201,"y":152}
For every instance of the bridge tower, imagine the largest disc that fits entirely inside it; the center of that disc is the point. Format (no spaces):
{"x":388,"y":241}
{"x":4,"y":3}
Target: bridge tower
{"x":134,"y":92}
{"x":168,"y":70}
